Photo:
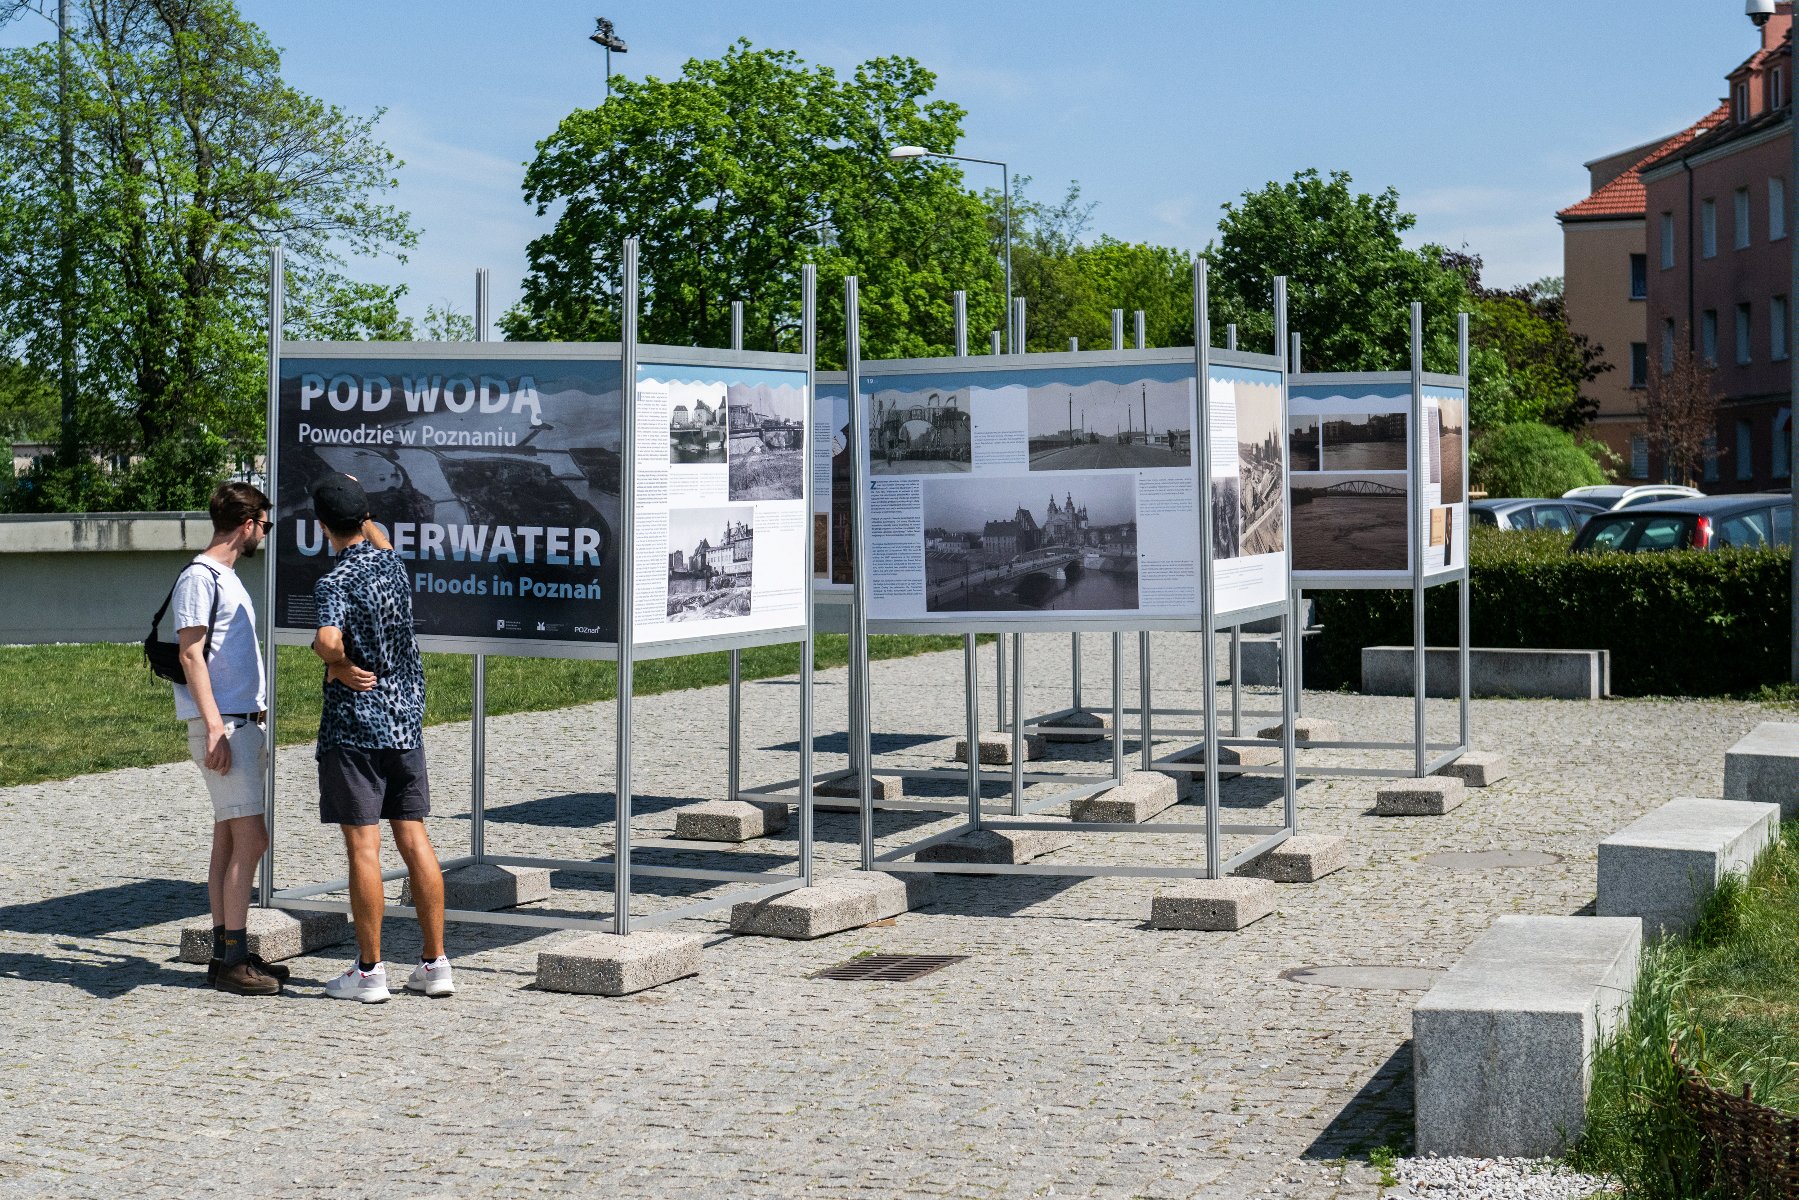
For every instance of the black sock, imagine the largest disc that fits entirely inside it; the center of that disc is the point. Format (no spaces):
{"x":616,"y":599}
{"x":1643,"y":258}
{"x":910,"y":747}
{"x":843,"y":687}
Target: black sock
{"x":218,"y":941}
{"x":364,"y":967}
{"x":235,"y":947}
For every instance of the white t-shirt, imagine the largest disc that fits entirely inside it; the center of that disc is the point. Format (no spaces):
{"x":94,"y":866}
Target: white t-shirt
{"x":235,"y":665}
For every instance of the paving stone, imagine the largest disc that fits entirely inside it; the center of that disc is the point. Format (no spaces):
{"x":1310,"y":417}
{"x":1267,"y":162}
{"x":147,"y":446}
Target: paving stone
{"x":273,"y":933}
{"x":607,"y":964}
{"x":1000,"y":846}
{"x":1302,"y":858}
{"x":1218,"y":905}
{"x":1073,"y":724}
{"x":489,"y":887}
{"x":1477,"y":768}
{"x":996,"y":749}
{"x":1305,"y":729}
{"x":1429,"y":797}
{"x":844,"y":902}
{"x":1141,"y":796}
{"x":729,"y":820}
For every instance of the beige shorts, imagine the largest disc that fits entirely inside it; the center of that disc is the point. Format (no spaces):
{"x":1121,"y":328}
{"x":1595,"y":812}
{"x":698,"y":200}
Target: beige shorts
{"x":237,"y":792}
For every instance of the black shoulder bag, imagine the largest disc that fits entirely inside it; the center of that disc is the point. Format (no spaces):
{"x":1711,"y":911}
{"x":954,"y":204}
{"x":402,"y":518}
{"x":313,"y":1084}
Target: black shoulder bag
{"x":164,"y":658}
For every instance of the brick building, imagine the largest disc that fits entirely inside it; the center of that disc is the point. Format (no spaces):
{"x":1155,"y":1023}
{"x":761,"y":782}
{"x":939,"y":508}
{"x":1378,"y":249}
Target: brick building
{"x":1683,"y":241}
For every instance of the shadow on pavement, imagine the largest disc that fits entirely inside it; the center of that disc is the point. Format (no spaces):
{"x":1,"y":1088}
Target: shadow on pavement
{"x":100,"y":911}
{"x":1379,"y":1115}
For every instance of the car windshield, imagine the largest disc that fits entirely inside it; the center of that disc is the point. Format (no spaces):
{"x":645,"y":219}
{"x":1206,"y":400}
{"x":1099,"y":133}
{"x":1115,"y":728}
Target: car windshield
{"x":1660,"y":533}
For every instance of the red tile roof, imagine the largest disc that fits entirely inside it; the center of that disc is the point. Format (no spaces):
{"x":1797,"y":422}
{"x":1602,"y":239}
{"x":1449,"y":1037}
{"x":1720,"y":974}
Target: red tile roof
{"x":1624,"y":196}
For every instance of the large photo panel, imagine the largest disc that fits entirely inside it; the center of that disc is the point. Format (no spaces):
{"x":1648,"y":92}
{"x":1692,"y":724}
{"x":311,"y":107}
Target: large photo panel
{"x":495,"y":475}
{"x":833,"y":570}
{"x":722,"y":540}
{"x":1033,"y":496}
{"x":1444,"y":474}
{"x":1249,"y":426}
{"x":1352,"y":507}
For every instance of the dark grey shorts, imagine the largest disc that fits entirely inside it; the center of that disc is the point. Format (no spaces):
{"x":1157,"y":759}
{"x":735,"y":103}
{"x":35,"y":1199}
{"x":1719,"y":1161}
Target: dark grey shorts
{"x":366,"y":787}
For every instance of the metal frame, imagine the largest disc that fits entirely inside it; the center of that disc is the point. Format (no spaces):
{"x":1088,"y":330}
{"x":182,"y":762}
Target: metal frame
{"x":619,"y":864}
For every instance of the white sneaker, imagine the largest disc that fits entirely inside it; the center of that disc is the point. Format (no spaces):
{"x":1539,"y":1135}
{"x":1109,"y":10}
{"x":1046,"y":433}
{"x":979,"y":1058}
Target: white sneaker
{"x":370,"y":987}
{"x":432,"y":978}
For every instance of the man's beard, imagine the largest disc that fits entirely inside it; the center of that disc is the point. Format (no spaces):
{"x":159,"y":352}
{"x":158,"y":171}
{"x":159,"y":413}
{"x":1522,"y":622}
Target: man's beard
{"x":249,"y":550}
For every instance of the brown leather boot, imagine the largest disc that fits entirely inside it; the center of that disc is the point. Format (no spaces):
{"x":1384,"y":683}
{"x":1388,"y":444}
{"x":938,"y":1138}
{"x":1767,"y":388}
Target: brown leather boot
{"x":243,"y":979}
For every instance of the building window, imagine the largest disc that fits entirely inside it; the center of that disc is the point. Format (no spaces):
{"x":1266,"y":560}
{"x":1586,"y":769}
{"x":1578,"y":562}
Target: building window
{"x":1782,"y":448}
{"x":1667,"y":240}
{"x":1745,"y":451}
{"x":1708,"y":228}
{"x":1777,"y":328}
{"x":1741,"y":212}
{"x":1639,"y":276}
{"x":1711,"y":458}
{"x":1639,"y":364}
{"x":1742,"y":102}
{"x":1667,"y":344}
{"x":1776,"y":88}
{"x":1777,"y":208}
{"x":1708,"y":337}
{"x":1639,"y":456}
{"x":1742,"y":334}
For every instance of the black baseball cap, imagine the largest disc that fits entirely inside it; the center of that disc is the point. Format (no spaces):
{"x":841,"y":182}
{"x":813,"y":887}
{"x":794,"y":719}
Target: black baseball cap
{"x":340,"y":502}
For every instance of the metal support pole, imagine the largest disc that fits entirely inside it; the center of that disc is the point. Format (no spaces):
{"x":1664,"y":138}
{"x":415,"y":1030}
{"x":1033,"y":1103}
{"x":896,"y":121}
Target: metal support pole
{"x":477,"y":789}
{"x":1289,"y":673}
{"x":1118,"y":329}
{"x":1118,"y":708}
{"x":971,"y":711}
{"x":959,"y":301}
{"x":1142,"y":331}
{"x":1293,"y":354}
{"x":809,"y":346}
{"x":1018,"y":326}
{"x":734,"y":693}
{"x":265,"y":889}
{"x":1419,"y":531}
{"x":1074,"y":345}
{"x":1299,"y":649}
{"x":1017,"y":725}
{"x":627,"y":578}
{"x":1146,"y":750}
{"x":1230,"y":336}
{"x":1202,"y":353}
{"x":736,"y":324}
{"x":1464,"y":600}
{"x":994,"y":344}
{"x":1236,"y":681}
{"x":859,"y":729}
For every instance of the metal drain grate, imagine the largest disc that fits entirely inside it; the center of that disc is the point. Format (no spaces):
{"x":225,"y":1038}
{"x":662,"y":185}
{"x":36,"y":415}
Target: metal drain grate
{"x":889,"y":968}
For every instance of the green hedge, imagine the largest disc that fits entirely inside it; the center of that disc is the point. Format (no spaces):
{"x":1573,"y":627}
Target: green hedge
{"x":1690,"y":623}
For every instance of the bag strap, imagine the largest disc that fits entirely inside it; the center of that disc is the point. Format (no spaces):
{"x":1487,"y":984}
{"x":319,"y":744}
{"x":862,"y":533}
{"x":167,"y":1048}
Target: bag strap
{"x":211,"y":619}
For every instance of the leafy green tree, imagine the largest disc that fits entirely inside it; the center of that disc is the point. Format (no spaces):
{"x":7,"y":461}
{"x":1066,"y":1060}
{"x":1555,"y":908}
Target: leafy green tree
{"x":28,"y":404}
{"x":732,"y":177}
{"x":192,"y":155}
{"x":1528,"y":458}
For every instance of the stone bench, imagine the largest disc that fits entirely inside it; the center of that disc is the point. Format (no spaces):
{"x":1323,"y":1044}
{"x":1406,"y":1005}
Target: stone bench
{"x":1502,"y":1046}
{"x":1763,"y":768}
{"x":1662,"y":866}
{"x":1550,"y":674}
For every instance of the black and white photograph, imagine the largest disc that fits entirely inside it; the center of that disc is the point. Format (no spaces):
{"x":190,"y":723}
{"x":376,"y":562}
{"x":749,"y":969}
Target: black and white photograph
{"x":1261,"y":479}
{"x":1302,"y":442}
{"x":1111,"y":424}
{"x":922,"y":431}
{"x":768,"y":441}
{"x":1009,"y":544}
{"x":1363,"y":441}
{"x":1227,"y":518}
{"x":1451,"y":451}
{"x":696,"y":424}
{"x":710,"y":563}
{"x":1349,"y":522}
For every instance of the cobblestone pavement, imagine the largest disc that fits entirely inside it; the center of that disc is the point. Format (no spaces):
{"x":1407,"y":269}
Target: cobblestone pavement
{"x":1075,"y":1053}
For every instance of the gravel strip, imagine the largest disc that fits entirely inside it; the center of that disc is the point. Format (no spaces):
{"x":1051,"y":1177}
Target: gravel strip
{"x":1496,"y":1179}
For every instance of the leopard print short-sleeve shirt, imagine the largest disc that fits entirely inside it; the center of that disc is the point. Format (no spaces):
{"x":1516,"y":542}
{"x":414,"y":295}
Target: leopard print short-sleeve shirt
{"x":368,"y":595}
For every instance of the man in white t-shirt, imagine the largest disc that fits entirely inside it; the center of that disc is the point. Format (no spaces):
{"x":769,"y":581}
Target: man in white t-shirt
{"x":224,"y":703}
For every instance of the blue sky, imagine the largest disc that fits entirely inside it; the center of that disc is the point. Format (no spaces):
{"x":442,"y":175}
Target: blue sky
{"x":1479,"y":114}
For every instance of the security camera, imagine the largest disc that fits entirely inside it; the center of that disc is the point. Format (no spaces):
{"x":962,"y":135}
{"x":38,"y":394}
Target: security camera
{"x":1759,"y":11}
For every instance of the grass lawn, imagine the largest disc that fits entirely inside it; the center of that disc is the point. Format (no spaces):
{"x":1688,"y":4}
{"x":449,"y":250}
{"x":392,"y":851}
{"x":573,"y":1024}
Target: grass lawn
{"x":77,"y":709}
{"x":1729,"y":996}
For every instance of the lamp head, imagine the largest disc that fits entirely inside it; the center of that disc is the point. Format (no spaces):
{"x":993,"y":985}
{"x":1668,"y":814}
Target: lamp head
{"x":602,"y":35}
{"x":1758,"y":11}
{"x":908,"y":152}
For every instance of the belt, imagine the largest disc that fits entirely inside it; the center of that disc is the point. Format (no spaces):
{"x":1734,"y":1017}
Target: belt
{"x":254,"y":718}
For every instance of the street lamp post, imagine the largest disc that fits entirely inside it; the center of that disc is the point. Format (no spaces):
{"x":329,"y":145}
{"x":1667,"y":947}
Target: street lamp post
{"x":1005,"y":187}
{"x":603,"y":37}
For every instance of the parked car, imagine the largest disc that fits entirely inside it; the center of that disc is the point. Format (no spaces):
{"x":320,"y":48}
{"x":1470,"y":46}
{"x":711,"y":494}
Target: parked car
{"x":1618,"y":495}
{"x":1701,"y":523}
{"x":1562,"y":516}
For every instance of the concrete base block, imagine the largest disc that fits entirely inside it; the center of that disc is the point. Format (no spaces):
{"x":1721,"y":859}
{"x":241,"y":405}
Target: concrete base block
{"x":1502,"y":1046}
{"x":844,"y":795}
{"x":1233,"y":756}
{"x":1663,"y":866}
{"x":1305,"y":729}
{"x":1763,"y":768}
{"x":273,"y":933}
{"x":1141,"y":796}
{"x":1000,"y":846}
{"x":1557,"y":674}
{"x":1302,"y":858}
{"x":1478,"y":768}
{"x":847,"y":902}
{"x":729,"y":820}
{"x":1075,"y":722}
{"x":605,"y":964}
{"x":484,"y":887}
{"x":996,"y":749}
{"x":1429,"y":797}
{"x":1218,"y":905}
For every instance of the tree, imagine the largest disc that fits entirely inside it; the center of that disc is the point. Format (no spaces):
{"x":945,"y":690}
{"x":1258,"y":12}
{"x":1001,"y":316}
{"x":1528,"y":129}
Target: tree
{"x":191,"y":156}
{"x":732,"y":177}
{"x":1530,"y":364}
{"x":1680,"y":412}
{"x":1528,"y":458}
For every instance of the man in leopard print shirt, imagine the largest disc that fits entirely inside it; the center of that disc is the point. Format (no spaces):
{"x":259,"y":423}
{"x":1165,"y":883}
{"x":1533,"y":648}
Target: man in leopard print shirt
{"x":371,"y":750}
